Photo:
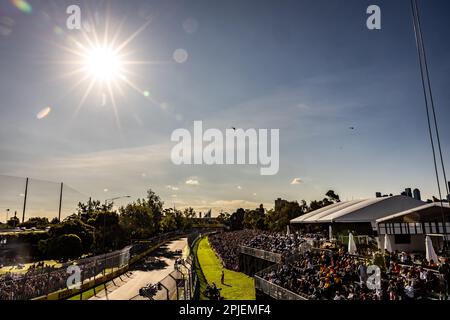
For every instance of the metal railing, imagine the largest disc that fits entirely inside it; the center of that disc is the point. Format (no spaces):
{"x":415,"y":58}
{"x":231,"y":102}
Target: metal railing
{"x":275,"y":291}
{"x":261,"y":254}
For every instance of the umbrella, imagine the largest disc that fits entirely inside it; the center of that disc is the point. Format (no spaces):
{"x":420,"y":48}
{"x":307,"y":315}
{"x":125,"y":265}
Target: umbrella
{"x":351,"y":244}
{"x":387,"y":243}
{"x":430,"y":254}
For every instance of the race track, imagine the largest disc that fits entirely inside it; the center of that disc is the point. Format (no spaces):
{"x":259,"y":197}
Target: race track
{"x":128,"y":287}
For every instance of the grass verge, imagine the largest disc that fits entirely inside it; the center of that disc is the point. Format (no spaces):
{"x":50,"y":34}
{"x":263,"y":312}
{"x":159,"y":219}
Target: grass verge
{"x":237,"y":286}
{"x":89,"y":293}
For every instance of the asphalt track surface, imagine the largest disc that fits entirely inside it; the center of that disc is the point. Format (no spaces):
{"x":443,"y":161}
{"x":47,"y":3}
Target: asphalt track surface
{"x":127,"y":286}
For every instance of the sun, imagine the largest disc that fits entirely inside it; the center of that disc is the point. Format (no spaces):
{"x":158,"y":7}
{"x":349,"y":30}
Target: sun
{"x":100,"y":61}
{"x":103,"y":64}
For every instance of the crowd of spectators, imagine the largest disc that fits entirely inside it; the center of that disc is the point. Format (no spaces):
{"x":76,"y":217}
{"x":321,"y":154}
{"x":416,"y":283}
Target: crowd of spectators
{"x":41,"y":279}
{"x":335,"y":275}
{"x":282,"y":243}
{"x":34,"y":283}
{"x":227,"y":244}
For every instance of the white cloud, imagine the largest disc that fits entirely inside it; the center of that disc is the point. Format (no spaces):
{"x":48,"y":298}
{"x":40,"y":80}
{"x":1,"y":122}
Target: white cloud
{"x":172,"y":188}
{"x":192,"y":182}
{"x":297,"y":181}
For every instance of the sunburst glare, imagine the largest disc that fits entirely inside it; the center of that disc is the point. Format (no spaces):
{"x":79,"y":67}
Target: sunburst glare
{"x":102,"y":64}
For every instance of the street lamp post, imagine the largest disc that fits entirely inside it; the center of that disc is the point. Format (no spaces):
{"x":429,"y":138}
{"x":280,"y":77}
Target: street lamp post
{"x":104,"y":227}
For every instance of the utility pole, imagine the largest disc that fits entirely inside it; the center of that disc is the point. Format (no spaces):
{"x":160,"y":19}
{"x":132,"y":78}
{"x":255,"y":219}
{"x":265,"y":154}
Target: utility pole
{"x":25,"y":201}
{"x":60,"y":201}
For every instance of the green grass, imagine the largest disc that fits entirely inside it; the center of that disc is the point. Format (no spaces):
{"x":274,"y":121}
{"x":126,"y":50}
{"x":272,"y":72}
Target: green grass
{"x":238,"y":286}
{"x":199,"y":272}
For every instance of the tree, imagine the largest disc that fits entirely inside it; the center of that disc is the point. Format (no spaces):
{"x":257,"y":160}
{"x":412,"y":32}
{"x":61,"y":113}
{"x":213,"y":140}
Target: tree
{"x":137,"y":221}
{"x":179,"y":219}
{"x":255,"y":219}
{"x":109,"y":235}
{"x":36,"y":222}
{"x":189,"y":213}
{"x":168,"y":221}
{"x":277,"y":220}
{"x":224,"y":217}
{"x":237,"y":219}
{"x":77,"y":227}
{"x":332,"y":196}
{"x":87,"y":211}
{"x":156,"y":205}
{"x":64,"y":247}
{"x":13,"y":222}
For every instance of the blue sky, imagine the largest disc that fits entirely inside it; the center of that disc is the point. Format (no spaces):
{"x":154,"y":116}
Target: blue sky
{"x":309,"y":68}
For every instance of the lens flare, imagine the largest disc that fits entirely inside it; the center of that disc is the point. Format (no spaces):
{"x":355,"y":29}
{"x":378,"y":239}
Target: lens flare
{"x":180,"y":56}
{"x":43,"y":113}
{"x":22,"y":5}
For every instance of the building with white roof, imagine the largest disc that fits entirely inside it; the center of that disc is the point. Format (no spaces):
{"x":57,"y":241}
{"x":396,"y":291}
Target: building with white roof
{"x":405,"y":220}
{"x":358,"y":216}
{"x":406,"y":230}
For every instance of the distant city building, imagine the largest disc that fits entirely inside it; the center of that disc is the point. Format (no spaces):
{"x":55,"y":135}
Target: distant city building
{"x":378,"y":194}
{"x":408,"y":192}
{"x":416,"y":194}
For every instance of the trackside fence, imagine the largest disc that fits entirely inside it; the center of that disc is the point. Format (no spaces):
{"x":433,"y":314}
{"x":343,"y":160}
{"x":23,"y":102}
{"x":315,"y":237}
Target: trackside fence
{"x":182,"y":283}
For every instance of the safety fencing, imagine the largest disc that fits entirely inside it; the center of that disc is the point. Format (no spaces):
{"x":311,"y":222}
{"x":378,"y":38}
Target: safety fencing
{"x":274,"y":291}
{"x":182,"y":283}
{"x":22,"y":198}
{"x":261,"y":254}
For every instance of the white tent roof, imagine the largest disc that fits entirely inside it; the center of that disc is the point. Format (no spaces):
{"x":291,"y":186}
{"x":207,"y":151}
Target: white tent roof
{"x":367,"y":210}
{"x":413,"y":210}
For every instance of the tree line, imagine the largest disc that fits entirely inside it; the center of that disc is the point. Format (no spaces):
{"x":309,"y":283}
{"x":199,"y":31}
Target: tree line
{"x":96,"y":228}
{"x":276,"y":219}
